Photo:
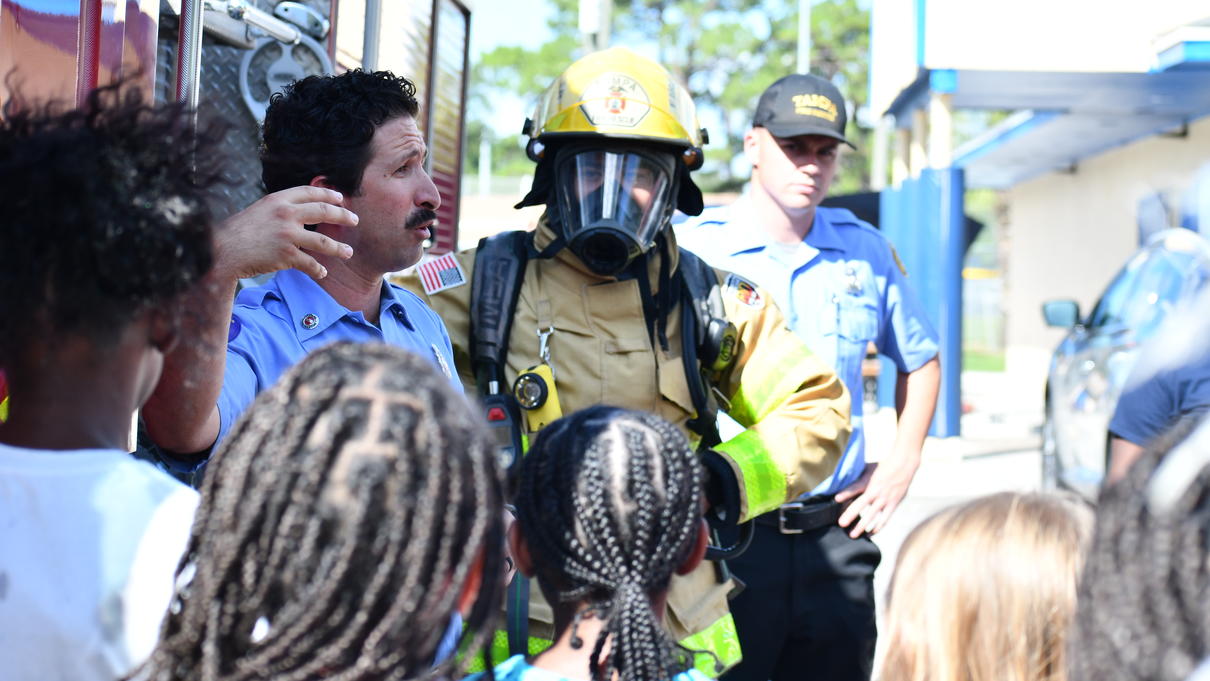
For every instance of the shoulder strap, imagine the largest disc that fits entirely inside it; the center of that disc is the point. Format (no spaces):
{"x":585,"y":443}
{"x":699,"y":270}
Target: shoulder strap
{"x":500,"y":262}
{"x":703,"y":286}
{"x":701,"y":303}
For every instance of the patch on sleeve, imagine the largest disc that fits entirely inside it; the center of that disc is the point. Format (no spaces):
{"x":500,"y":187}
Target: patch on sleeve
{"x":441,"y":273}
{"x":898,"y":262}
{"x":744,"y":291}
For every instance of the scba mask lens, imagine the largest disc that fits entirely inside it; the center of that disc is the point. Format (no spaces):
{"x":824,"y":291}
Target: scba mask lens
{"x":614,"y":202}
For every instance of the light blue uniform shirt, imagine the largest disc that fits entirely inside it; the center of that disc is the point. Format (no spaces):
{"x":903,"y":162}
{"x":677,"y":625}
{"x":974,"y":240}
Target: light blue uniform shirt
{"x":840,"y":290}
{"x":273,"y":327}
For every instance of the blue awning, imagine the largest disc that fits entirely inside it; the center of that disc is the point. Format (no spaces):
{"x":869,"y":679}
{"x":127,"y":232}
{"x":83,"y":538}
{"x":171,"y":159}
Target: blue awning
{"x":1064,"y":118}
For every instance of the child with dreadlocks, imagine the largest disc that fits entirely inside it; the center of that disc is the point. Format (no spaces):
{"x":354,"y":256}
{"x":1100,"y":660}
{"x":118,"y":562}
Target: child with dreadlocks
{"x":609,"y":507}
{"x":355,"y":507}
{"x":106,"y":223}
{"x":1144,"y":610}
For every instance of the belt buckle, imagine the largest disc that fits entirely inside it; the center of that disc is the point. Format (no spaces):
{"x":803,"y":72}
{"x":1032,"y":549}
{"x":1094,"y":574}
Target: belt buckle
{"x":781,"y":517}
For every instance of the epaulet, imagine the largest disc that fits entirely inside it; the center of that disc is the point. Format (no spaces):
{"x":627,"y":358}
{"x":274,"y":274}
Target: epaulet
{"x":709,"y":217}
{"x":843,"y":217}
{"x":898,"y":262}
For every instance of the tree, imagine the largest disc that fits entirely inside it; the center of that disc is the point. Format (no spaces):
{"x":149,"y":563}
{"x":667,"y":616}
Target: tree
{"x":725,"y":51}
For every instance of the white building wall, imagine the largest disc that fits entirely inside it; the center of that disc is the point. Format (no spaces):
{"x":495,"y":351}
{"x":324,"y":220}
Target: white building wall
{"x":893,"y":63}
{"x":1023,"y":35}
{"x":1070,"y":233}
{"x":1051,"y":35}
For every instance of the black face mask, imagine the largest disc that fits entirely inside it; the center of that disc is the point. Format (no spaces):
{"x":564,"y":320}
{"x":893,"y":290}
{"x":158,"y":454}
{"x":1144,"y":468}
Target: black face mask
{"x":613,"y":202}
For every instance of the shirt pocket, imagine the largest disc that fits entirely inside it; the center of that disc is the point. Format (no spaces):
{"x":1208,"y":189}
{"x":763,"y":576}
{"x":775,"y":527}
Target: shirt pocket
{"x":857,"y":319}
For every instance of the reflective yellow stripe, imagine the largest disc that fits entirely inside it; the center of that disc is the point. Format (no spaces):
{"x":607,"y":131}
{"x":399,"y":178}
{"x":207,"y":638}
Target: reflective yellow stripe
{"x":758,"y":396}
{"x":500,"y":653}
{"x":762,"y":485}
{"x":719,"y":638}
{"x":4,"y":409}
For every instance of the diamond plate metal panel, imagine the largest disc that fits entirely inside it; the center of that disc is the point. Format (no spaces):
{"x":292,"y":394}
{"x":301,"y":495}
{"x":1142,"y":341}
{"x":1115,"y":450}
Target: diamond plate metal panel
{"x":220,"y":96}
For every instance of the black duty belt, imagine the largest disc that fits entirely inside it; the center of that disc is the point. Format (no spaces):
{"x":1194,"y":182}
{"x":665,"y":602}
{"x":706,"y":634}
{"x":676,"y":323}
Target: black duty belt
{"x":803,"y":516}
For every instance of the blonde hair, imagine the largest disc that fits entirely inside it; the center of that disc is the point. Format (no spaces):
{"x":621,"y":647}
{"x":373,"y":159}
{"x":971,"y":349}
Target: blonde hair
{"x":986,"y":590}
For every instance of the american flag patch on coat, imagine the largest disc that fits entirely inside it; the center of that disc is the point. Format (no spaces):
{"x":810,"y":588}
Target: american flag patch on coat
{"x":441,"y":273}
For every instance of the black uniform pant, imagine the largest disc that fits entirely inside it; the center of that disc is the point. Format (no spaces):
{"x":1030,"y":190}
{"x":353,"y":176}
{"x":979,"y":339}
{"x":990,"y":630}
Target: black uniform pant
{"x":808,"y":610}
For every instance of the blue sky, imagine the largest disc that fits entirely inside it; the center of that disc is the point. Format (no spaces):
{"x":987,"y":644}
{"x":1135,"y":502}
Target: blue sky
{"x":507,"y":22}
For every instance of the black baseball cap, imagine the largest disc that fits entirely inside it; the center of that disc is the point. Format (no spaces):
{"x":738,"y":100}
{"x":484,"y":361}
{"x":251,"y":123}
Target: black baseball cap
{"x":802,"y":104}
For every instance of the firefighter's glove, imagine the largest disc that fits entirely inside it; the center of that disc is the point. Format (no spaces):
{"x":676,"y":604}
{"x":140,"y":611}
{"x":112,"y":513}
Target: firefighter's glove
{"x":722,"y":490}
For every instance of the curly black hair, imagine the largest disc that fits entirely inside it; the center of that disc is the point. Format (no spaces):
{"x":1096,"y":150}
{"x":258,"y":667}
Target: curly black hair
{"x":322,"y":125}
{"x":609,"y":504}
{"x":338,"y":525}
{"x":107,"y":214}
{"x":1144,"y":601}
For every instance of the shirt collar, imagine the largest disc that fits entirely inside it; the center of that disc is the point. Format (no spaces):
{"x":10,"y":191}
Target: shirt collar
{"x":823,"y":234}
{"x":393,"y":303}
{"x":312,"y":310}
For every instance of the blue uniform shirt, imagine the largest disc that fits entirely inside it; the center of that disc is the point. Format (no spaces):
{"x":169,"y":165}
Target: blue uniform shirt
{"x":1147,"y":410}
{"x":840,"y":289}
{"x":273,"y":327}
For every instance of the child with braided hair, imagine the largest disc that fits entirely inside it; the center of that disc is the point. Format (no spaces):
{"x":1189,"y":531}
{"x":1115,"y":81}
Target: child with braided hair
{"x":354,"y":508}
{"x":609,"y":507}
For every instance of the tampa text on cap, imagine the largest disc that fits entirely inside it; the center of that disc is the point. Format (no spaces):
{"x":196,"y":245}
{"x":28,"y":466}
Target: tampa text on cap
{"x":801,"y":104}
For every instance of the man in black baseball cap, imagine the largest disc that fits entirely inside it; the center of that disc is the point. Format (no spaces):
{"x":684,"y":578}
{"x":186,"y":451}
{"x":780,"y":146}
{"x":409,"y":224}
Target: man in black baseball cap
{"x":802,"y":105}
{"x":808,"y":610}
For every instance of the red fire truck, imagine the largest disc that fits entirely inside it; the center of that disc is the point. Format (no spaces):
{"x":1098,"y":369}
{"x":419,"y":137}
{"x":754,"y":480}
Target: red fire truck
{"x":228,"y":56}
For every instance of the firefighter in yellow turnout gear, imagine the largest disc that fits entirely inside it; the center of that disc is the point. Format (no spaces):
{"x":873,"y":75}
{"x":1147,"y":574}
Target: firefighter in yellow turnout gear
{"x":601,"y":309}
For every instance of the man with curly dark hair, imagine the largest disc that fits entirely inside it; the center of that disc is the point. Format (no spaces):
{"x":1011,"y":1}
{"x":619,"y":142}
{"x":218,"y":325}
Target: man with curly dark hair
{"x":351,"y":202}
{"x":106,"y":225}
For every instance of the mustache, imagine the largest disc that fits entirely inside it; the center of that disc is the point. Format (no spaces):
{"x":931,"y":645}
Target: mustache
{"x":419,"y":217}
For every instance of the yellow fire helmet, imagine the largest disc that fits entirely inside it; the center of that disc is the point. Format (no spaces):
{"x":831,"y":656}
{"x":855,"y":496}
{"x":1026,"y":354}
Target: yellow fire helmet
{"x":618,"y":94}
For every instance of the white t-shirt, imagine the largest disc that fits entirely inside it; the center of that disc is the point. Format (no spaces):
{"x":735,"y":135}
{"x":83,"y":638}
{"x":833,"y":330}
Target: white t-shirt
{"x":89,"y":544}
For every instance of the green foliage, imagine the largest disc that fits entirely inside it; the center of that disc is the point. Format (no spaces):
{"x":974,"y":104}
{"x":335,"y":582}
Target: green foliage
{"x":979,"y":360}
{"x":726,"y":52}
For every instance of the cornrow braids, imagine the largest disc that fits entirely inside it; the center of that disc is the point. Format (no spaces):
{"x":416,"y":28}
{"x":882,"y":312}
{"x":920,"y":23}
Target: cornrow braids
{"x":339,"y":522}
{"x":609,"y":502}
{"x":1144,"y":602}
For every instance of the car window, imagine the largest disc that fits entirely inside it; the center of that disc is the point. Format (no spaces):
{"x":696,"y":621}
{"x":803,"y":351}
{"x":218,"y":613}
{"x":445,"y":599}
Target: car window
{"x":1109,"y":308}
{"x":1155,"y":289}
{"x":1147,"y":288}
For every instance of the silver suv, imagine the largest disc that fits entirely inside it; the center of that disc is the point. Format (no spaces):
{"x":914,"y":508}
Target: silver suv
{"x":1092,"y":362}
